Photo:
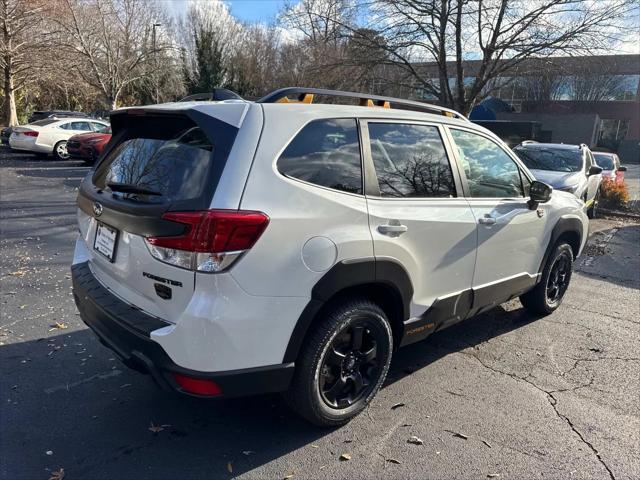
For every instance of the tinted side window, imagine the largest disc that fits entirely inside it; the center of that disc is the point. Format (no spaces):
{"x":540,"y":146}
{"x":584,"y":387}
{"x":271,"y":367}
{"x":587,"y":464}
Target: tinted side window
{"x":326,"y":153}
{"x":84,"y":126}
{"x":489,"y":170}
{"x":99,"y":127}
{"x":410,"y":161}
{"x":66,"y":126}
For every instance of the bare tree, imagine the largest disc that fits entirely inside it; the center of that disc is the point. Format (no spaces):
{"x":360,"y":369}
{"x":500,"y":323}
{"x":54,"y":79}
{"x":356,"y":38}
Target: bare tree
{"x":501,"y":34}
{"x":21,"y":45}
{"x":591,"y":82}
{"x":111,"y":40}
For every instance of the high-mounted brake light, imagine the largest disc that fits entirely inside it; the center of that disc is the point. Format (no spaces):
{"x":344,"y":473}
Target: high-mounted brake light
{"x":31,"y":133}
{"x":212,"y":240}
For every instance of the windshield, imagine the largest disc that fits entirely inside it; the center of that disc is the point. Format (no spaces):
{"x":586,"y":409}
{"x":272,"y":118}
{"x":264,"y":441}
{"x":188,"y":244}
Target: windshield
{"x":557,"y":160}
{"x":604,"y":161}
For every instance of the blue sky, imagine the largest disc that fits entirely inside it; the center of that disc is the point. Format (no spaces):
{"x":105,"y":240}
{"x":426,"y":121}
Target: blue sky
{"x":255,"y":10}
{"x":250,"y":11}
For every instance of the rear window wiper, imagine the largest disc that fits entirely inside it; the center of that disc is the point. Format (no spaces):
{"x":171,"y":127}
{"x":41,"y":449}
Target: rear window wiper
{"x":127,"y":188}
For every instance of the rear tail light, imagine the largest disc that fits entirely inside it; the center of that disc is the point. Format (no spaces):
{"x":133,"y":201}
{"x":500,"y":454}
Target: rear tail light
{"x":30,"y":133}
{"x":213,"y":239}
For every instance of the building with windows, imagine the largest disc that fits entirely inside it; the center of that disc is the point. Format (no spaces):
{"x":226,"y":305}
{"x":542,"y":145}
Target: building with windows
{"x":593,"y":100}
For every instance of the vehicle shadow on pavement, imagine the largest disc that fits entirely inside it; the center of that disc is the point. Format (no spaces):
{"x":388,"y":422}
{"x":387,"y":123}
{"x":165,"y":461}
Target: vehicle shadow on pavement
{"x":468,"y":333}
{"x":98,"y":416}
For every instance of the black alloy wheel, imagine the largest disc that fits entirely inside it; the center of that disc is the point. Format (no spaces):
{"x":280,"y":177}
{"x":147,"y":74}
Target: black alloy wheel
{"x":558,"y":280}
{"x":350,"y":366}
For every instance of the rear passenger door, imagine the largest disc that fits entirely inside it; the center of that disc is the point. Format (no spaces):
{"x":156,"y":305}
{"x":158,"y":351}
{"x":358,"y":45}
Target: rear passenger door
{"x":419,"y":218}
{"x":312,"y":192}
{"x":510,"y":235}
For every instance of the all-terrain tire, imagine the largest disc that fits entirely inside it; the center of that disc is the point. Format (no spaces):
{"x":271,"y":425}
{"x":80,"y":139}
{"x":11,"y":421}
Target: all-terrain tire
{"x":548,"y":294}
{"x":306,"y":395}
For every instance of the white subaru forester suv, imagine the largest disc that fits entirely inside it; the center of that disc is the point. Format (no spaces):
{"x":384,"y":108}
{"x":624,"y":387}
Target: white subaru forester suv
{"x":282,"y":245}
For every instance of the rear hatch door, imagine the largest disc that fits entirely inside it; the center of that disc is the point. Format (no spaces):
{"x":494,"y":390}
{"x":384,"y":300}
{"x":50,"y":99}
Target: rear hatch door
{"x":158,"y":161}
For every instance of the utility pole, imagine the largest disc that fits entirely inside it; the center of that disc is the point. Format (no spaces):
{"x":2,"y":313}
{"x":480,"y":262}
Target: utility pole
{"x":155,"y":62}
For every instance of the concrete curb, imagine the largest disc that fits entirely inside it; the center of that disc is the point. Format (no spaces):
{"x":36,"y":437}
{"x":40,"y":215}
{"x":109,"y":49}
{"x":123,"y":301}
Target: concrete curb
{"x":619,"y":213}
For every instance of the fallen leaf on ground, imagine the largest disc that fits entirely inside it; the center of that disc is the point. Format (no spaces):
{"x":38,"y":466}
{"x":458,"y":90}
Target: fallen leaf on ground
{"x":493,"y":475}
{"x":415,"y":440}
{"x":345,"y":456}
{"x":487,"y":443}
{"x":156,"y":428}
{"x":288,"y":476}
{"x":22,"y":307}
{"x":397,"y":405}
{"x":57,"y":475}
{"x":393,"y":460}
{"x":457,"y":434}
{"x":315,"y":446}
{"x":230,"y":467}
{"x":248,"y":452}
{"x":19,"y":273}
{"x":58,"y":326}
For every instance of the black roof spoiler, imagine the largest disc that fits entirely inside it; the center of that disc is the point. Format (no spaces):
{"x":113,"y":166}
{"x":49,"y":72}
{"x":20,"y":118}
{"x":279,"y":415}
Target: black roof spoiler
{"x":305,"y":95}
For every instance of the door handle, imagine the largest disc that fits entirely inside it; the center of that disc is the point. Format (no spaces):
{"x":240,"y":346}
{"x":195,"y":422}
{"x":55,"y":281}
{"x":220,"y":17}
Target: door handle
{"x":392,"y":229}
{"x":487,"y":220}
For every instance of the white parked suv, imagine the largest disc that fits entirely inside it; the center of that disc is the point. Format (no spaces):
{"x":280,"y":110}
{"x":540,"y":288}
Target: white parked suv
{"x":285,"y":246}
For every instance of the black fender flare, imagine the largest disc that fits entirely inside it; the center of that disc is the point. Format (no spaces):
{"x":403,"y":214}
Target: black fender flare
{"x":562,"y":226}
{"x":346,"y":274}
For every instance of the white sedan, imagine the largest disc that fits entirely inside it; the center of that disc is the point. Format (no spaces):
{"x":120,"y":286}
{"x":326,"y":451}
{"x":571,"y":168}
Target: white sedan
{"x":49,"y":136}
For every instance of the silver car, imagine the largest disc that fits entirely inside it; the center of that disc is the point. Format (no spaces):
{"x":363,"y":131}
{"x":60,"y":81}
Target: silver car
{"x":570,"y":168}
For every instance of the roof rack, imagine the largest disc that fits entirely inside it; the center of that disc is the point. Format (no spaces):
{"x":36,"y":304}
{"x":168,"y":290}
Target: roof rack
{"x":305,"y":95}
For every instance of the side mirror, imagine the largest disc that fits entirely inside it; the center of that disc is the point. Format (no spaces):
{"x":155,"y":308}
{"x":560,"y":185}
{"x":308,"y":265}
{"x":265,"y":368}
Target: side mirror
{"x":595,"y":170}
{"x":622,"y":168}
{"x":539,"y":192}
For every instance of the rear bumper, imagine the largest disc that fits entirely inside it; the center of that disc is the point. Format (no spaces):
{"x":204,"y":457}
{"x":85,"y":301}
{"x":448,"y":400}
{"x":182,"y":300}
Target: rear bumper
{"x":126,"y":330}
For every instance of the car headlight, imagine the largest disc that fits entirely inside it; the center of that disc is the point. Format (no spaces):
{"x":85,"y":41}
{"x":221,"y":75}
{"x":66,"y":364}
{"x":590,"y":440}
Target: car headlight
{"x":570,"y":188}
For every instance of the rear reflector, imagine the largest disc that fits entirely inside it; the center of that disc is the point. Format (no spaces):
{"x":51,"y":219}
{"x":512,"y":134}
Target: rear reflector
{"x":212,"y":241}
{"x":30,"y":133}
{"x":198,"y":386}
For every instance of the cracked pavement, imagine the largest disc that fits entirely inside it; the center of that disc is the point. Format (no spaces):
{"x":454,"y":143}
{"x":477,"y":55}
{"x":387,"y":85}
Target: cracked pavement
{"x":502,"y":394}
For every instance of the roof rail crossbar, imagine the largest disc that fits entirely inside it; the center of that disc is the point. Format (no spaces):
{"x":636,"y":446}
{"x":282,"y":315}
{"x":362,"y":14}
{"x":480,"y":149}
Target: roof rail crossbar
{"x":301,"y":94}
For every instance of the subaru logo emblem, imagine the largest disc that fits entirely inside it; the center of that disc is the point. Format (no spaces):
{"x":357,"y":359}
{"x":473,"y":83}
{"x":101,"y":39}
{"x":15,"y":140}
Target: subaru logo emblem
{"x":97,"y":209}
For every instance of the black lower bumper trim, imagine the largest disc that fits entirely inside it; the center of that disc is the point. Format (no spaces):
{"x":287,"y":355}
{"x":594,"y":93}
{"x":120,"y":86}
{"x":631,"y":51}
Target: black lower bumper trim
{"x":126,"y":330}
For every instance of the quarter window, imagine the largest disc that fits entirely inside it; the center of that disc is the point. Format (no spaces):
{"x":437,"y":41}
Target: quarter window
{"x":325,"y":153}
{"x":410,"y":161}
{"x":490,"y":171}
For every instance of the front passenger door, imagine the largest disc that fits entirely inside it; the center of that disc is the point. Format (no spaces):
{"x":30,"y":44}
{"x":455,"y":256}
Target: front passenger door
{"x":510,"y":235}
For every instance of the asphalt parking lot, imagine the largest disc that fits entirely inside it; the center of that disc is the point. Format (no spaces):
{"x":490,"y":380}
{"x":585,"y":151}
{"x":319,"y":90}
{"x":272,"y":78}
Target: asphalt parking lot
{"x":504,"y":395}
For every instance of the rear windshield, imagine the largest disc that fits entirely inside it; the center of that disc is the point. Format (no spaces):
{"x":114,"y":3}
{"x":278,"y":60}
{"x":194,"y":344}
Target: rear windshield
{"x":605,"y":161}
{"x":558,"y":160}
{"x":42,"y":123}
{"x":164,"y":170}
